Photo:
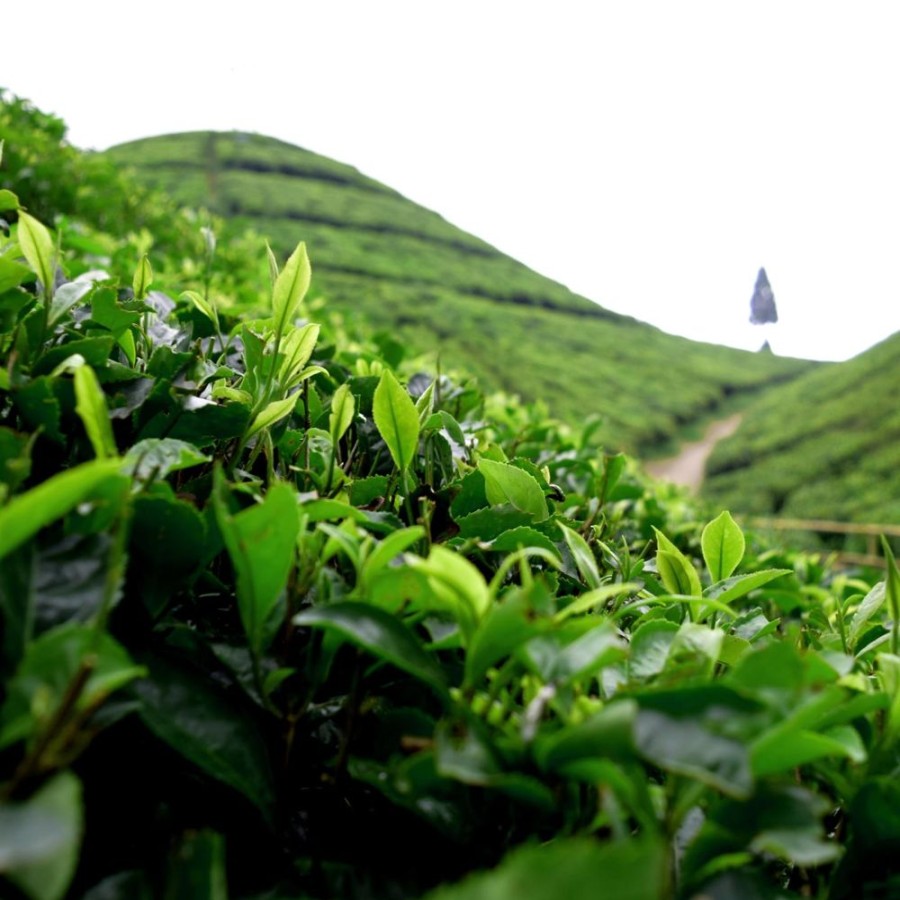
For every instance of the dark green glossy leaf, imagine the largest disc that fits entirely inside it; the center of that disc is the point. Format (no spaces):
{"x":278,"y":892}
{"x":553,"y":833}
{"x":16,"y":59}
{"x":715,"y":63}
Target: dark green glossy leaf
{"x":106,"y":310}
{"x":70,"y":578}
{"x":183,"y":709}
{"x":379,"y":633}
{"x":94,"y":351}
{"x":205,"y":425}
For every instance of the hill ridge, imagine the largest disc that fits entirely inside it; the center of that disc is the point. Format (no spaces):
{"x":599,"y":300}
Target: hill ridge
{"x":403,"y":267}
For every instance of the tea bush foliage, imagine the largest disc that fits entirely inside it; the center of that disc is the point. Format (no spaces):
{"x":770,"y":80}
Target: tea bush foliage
{"x":286,"y":615}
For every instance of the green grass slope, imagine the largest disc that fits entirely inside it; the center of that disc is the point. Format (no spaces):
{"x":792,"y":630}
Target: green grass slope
{"x":824,"y":446}
{"x":405,"y":269}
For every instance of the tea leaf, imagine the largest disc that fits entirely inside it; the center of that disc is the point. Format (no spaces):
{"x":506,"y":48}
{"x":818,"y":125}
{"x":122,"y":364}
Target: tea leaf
{"x":291,"y":285}
{"x":570,"y":868}
{"x":342,"y":412}
{"x":740,"y":585}
{"x":677,"y":573}
{"x":41,"y":837}
{"x":273,"y":413}
{"x":396,"y":420}
{"x":297,"y":348}
{"x":12,"y":274}
{"x":380,"y":634}
{"x":201,"y":303}
{"x":261,"y":542}
{"x":581,"y":553}
{"x":722,"y":542}
{"x":184,"y":710}
{"x":505,"y":483}
{"x":143,"y":278}
{"x":38,"y":250}
{"x":91,"y":407}
{"x":8,"y":200}
{"x":25,"y":515}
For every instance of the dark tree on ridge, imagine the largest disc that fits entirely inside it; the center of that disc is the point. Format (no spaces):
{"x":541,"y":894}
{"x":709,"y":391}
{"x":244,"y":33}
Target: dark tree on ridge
{"x":762,"y":303}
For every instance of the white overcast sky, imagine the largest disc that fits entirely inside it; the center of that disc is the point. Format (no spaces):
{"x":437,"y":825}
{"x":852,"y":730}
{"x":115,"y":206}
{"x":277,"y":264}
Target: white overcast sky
{"x":649,"y":155}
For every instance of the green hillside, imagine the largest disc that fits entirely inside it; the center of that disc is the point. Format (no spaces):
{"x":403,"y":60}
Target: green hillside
{"x":824,"y":446}
{"x":405,"y":269}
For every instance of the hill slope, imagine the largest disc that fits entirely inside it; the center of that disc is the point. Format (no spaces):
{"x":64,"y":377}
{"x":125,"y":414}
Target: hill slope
{"x":824,"y":446}
{"x":406,"y":269}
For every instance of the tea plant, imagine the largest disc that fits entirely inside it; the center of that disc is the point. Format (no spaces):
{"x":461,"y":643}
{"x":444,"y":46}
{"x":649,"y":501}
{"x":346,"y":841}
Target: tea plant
{"x":284,"y":617}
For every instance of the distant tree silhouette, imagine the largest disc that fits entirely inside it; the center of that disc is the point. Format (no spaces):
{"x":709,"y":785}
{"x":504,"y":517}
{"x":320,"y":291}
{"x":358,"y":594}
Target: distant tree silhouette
{"x":762,"y":303}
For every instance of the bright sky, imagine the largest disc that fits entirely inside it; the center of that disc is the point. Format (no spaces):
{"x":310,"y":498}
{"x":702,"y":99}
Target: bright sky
{"x":649,"y":155}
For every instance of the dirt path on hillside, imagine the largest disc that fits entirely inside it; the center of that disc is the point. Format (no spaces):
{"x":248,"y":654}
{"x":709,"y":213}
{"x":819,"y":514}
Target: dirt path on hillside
{"x":689,"y":466}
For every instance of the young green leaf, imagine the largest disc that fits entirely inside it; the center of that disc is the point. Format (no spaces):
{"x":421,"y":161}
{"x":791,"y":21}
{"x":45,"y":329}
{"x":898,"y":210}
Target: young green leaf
{"x":342,"y":412}
{"x":740,"y":585}
{"x":12,"y":274}
{"x":290,"y":288}
{"x":273,"y":413}
{"x":505,"y":483}
{"x":723,"y":544}
{"x":91,"y":407}
{"x":201,"y":303}
{"x":8,"y":200}
{"x":38,"y":250}
{"x":25,"y":515}
{"x":396,"y":420}
{"x":581,"y":553}
{"x":261,"y":542}
{"x":676,"y":571}
{"x":296,"y":349}
{"x":273,"y":265}
{"x":143,"y":278}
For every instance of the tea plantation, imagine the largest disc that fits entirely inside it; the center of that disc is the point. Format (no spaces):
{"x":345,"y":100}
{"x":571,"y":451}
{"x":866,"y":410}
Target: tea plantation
{"x":287,"y":614}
